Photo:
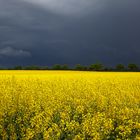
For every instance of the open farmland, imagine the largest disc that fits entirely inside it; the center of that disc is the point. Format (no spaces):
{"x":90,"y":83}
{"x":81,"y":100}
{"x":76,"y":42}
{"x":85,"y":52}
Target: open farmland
{"x":58,"y":105}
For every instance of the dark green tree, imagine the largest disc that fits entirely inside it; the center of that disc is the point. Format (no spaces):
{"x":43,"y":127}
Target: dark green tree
{"x":64,"y":67}
{"x":46,"y":68}
{"x":18,"y":68}
{"x":85,"y":68}
{"x":57,"y":67}
{"x":79,"y":67}
{"x":120,"y":67}
{"x":33,"y":67}
{"x":96,"y":67}
{"x":133,"y":67}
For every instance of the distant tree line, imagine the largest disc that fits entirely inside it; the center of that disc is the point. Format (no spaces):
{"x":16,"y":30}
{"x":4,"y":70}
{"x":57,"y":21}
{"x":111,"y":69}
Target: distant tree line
{"x":79,"y":67}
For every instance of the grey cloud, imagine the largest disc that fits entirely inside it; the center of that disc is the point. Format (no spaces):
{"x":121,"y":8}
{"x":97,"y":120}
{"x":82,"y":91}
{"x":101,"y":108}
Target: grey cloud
{"x":70,"y":7}
{"x":12,"y":52}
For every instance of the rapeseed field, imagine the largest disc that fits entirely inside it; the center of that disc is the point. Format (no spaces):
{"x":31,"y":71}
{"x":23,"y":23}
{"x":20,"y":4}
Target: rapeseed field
{"x":64,"y":105}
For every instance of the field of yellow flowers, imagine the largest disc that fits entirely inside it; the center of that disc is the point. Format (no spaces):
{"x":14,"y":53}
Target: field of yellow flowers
{"x":64,"y":105}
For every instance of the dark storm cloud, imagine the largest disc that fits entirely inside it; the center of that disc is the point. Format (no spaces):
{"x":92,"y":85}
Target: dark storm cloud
{"x":105,"y":31}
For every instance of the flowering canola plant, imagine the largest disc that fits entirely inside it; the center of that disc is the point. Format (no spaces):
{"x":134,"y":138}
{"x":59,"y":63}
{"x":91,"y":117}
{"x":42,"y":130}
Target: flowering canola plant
{"x":65,"y":105}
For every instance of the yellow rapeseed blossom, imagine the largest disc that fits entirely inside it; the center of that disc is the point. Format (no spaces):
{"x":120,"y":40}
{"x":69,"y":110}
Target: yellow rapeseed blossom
{"x":55,"y":105}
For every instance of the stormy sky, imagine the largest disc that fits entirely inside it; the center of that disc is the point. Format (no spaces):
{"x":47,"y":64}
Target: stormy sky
{"x":47,"y":32}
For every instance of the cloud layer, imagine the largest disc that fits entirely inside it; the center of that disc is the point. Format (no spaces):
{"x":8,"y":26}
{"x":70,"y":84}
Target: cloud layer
{"x":12,"y":52}
{"x":69,"y":7}
{"x":93,"y":31}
